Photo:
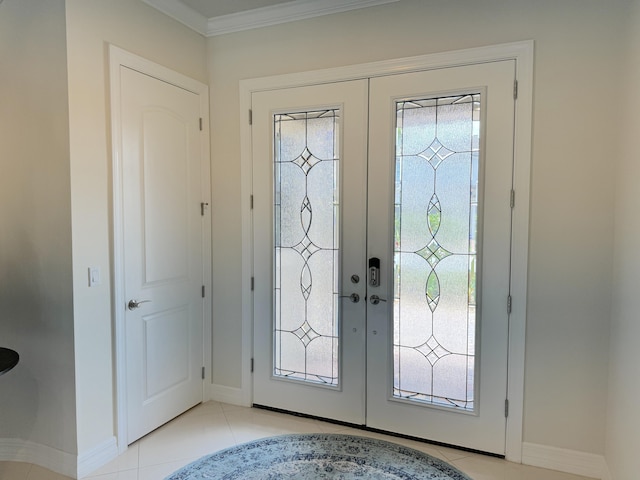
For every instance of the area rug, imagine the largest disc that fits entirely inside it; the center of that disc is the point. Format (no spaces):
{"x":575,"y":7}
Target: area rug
{"x":318,"y":456}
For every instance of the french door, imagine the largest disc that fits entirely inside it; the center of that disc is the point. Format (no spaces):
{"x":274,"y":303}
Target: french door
{"x":382,"y":229}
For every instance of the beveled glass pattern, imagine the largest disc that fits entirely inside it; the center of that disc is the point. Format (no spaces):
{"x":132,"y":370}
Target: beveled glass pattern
{"x":435,"y":258}
{"x":306,"y":227}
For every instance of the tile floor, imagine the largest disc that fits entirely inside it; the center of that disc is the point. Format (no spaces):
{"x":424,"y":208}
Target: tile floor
{"x":213,"y":426}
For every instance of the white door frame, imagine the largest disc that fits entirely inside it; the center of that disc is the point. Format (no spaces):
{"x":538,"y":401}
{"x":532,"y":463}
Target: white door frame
{"x":522,"y":53}
{"x":118,"y":58}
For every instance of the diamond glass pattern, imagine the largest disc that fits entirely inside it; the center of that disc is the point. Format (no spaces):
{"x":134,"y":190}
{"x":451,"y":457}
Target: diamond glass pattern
{"x":306,"y":234}
{"x":435,"y":250}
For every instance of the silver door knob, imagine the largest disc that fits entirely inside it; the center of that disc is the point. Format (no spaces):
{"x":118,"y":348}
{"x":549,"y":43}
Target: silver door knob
{"x":354,"y":297}
{"x":133,"y":304}
{"x":375,"y":299}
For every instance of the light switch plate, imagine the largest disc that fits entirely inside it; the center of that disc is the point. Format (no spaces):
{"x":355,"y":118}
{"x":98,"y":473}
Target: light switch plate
{"x":94,"y":276}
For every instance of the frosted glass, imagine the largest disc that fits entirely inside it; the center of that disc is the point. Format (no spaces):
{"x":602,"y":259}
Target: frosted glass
{"x":454,"y":192}
{"x":415,"y":327}
{"x":415,"y":374}
{"x":455,"y":126}
{"x":290,"y":138}
{"x":306,"y":253}
{"x":416,"y":128}
{"x":320,"y":138}
{"x":291,"y":192}
{"x":321,"y":301}
{"x":320,"y":190}
{"x":435,"y":259}
{"x":289,"y":271}
{"x":417,"y":182}
{"x":450,"y":378}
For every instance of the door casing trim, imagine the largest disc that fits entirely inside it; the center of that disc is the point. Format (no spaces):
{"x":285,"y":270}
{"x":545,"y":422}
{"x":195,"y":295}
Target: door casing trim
{"x":117,"y":58}
{"x":523,"y":54}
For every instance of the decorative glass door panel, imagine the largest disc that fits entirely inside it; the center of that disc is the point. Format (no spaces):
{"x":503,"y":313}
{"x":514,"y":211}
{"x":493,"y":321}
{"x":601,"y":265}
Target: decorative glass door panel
{"x":440,"y":171}
{"x":307,"y":239}
{"x":382,"y":231}
{"x":309,"y":219}
{"x":435,"y":258}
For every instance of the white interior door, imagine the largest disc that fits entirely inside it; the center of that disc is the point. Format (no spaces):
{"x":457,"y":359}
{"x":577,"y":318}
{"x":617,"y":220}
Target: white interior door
{"x":310,"y":225}
{"x":440,"y":177}
{"x":163,"y":254}
{"x":429,"y":202}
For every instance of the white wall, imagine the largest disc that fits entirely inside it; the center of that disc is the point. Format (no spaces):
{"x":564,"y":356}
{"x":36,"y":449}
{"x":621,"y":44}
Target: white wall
{"x":577,"y":61}
{"x":623,"y":419}
{"x":91,"y":26}
{"x":37,"y":398}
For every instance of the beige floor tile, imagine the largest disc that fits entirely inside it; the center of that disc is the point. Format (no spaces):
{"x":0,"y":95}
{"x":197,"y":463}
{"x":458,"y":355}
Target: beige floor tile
{"x":214,"y":426}
{"x":451,"y":454}
{"x":227,"y":407}
{"x":40,"y":473}
{"x":157,"y":472}
{"x":186,"y":437}
{"x":123,"y":475}
{"x":208,"y":408}
{"x":127,"y":461}
{"x":251,"y":424}
{"x":14,"y":470}
{"x":486,"y":468}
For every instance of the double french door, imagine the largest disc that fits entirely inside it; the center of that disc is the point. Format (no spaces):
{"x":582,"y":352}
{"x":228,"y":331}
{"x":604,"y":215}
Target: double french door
{"x":382,"y":229}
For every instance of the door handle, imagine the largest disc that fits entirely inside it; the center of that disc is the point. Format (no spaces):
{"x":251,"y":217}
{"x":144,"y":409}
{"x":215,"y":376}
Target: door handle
{"x":375,"y":299}
{"x":354,"y":297}
{"x":133,"y":304}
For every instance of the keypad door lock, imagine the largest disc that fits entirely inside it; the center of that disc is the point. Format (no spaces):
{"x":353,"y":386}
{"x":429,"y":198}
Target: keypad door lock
{"x":374,"y":272}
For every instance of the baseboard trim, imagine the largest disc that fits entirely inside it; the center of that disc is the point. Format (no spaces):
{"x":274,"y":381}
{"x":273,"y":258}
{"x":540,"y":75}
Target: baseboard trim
{"x":18,"y":450}
{"x":98,"y":456}
{"x":569,"y":461}
{"x":224,"y":394}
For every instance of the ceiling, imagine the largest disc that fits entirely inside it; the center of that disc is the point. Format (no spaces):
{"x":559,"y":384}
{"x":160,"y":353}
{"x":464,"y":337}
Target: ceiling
{"x":217,"y":17}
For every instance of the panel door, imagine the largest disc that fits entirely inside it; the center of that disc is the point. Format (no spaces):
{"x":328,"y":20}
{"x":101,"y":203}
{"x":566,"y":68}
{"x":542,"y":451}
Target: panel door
{"x":417,"y":225}
{"x":440,"y":176}
{"x":163,"y":250}
{"x":309,"y":249}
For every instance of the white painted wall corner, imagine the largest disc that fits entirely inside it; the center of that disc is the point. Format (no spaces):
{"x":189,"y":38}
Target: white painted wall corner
{"x":97,"y":457}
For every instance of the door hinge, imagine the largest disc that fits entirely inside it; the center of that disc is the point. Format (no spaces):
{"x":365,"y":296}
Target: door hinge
{"x":203,"y":373}
{"x":512,"y":200}
{"x":200,"y":122}
{"x":251,"y":202}
{"x":252,"y":365}
{"x":509,"y":304}
{"x":515,"y":89}
{"x":250,"y":117}
{"x":253,"y":283}
{"x":202,"y":291}
{"x":203,"y":205}
{"x":506,"y":407}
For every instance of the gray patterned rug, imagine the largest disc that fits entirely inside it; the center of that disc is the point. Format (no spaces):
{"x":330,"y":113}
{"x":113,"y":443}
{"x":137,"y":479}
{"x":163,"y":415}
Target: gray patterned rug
{"x":318,"y":456}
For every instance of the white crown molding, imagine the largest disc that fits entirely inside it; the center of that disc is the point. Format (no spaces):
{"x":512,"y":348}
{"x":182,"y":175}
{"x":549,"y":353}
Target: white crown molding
{"x":259,"y":17}
{"x":182,"y":13}
{"x":284,"y":12}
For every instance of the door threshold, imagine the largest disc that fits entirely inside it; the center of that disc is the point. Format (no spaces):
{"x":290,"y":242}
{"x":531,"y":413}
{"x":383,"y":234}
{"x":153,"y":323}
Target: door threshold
{"x":377,"y":430}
